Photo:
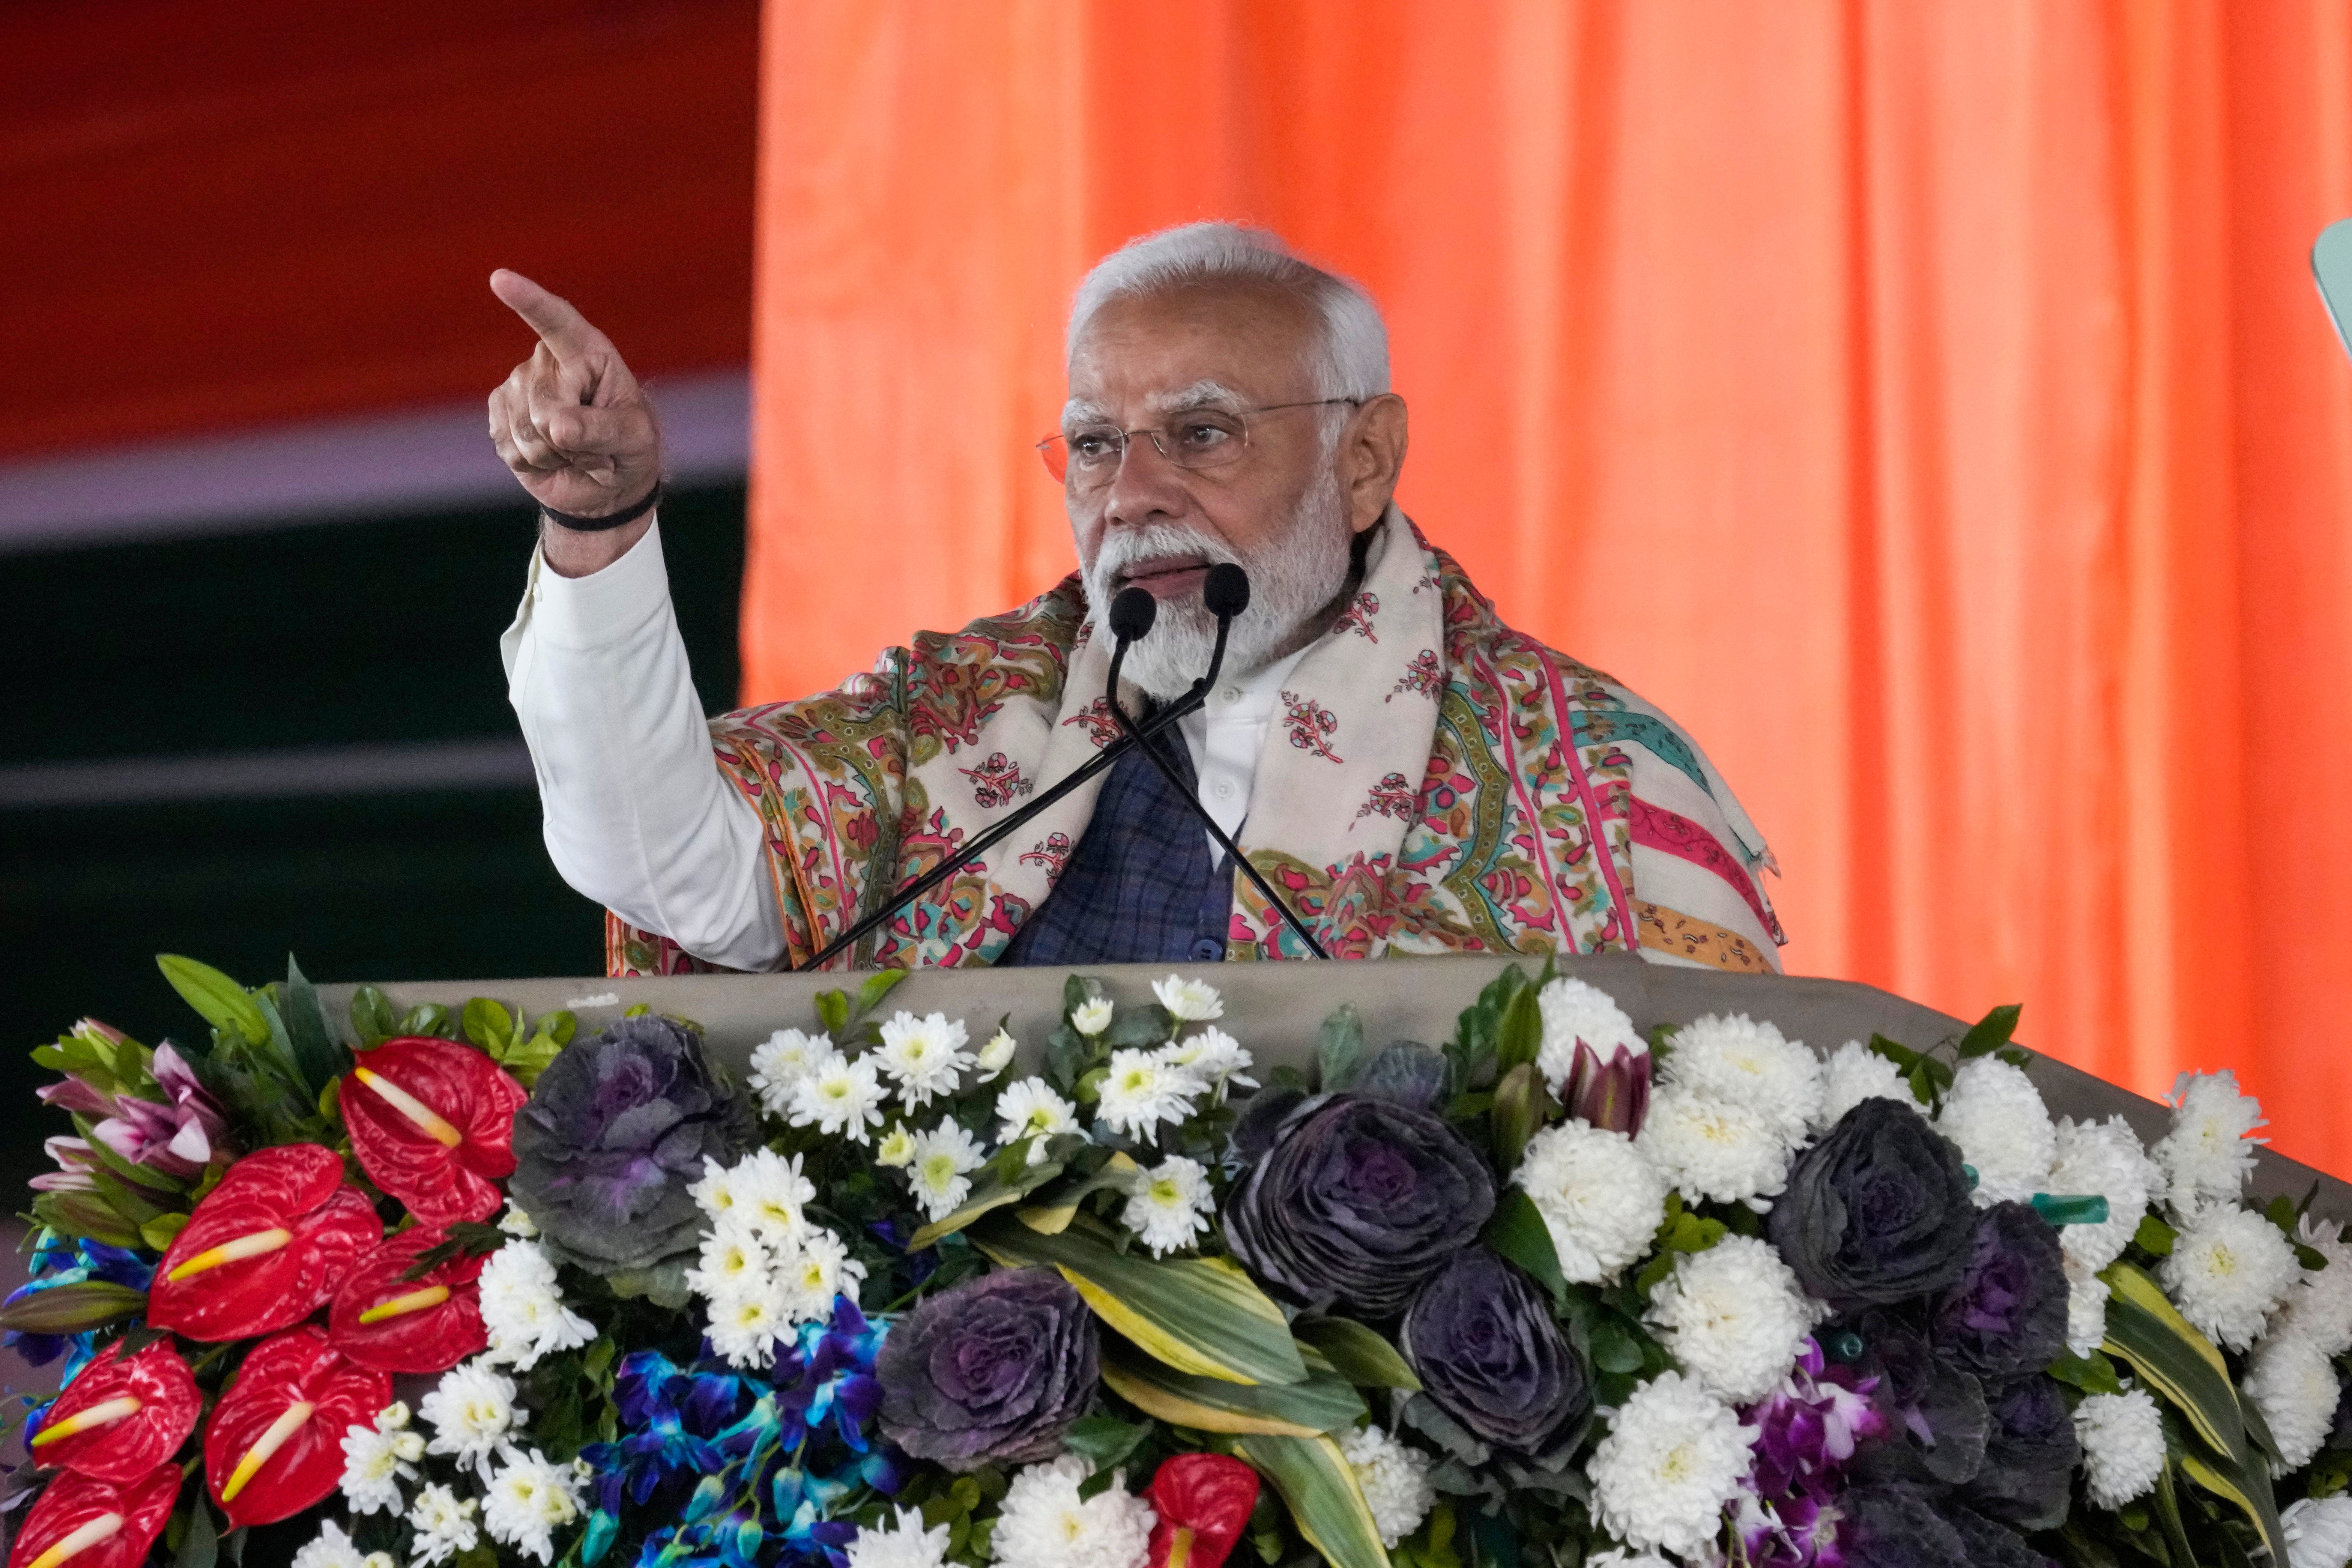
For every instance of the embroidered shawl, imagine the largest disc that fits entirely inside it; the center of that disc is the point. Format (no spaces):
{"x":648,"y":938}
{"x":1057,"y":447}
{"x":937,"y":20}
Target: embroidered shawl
{"x":1439,"y":783}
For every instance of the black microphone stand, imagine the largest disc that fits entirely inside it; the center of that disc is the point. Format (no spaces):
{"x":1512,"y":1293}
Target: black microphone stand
{"x":1190,"y":702}
{"x":1176,"y":780}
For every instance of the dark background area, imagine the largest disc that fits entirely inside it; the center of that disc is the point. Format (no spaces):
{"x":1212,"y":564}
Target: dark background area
{"x":348,"y":632}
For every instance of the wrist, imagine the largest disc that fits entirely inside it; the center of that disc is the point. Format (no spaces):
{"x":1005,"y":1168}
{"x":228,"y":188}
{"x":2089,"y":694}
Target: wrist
{"x":573,"y":552}
{"x":604,"y":521}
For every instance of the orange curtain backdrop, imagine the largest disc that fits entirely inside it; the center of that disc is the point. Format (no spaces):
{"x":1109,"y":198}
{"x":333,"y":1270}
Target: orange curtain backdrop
{"x":1927,"y":403}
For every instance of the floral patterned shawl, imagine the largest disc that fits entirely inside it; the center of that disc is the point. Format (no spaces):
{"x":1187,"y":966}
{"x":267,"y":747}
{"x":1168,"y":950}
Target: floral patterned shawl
{"x":1447,"y":783}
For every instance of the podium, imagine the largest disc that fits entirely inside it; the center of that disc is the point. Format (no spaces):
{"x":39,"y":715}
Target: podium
{"x":1277,"y":1010}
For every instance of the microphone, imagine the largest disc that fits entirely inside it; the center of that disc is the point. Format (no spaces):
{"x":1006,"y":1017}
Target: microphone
{"x":1225,"y":593}
{"x":1137,"y":620}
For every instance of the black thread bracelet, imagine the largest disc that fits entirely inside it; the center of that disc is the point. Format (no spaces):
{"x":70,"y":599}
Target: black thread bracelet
{"x":600,"y":524}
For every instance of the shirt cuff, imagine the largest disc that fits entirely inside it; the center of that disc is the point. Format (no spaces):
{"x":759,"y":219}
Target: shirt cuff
{"x":608,"y":605}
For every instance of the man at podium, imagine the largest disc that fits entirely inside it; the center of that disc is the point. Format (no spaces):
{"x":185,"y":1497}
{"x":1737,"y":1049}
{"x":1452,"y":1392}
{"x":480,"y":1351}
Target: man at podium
{"x":1408,"y":773}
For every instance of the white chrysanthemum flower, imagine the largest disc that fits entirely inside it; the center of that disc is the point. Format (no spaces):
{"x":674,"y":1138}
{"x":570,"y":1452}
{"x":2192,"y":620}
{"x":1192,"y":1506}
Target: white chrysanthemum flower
{"x":1393,"y":1477}
{"x":1733,"y":1316}
{"x":2228,"y":1269}
{"x":2123,"y":1446}
{"x":377,"y":1459}
{"x":530,"y":1499}
{"x":2105,"y":1159}
{"x":1213,"y":1058}
{"x":1714,"y":1149}
{"x":733,"y":1258}
{"x":472,"y":1412}
{"x":1141,"y":1092}
{"x":897,"y":1149}
{"x":1573,"y":1010}
{"x":1739,"y":1061}
{"x":2086,"y":1307}
{"x":819,"y":1270}
{"x":714,"y":1192}
{"x":945,"y":1158}
{"x":1091,"y":1016}
{"x":2293,"y":1386}
{"x":2318,"y":1531}
{"x":1189,"y":1001}
{"x":2319,"y":1308}
{"x":514,"y":1222}
{"x":1045,"y":1523}
{"x":902,"y":1543}
{"x":840,"y":1097}
{"x":1171,"y":1207}
{"x":1996,"y":1116}
{"x":1601,"y":1196}
{"x":1619,"y":1557}
{"x":2210,"y":1151}
{"x":1030,"y":1109}
{"x":774,"y":1196}
{"x":523,"y":1310}
{"x":996,"y":1056}
{"x":781,"y":1061}
{"x":1673,"y":1457}
{"x":444,"y":1523}
{"x":745,"y":1323}
{"x":1855,"y":1073}
{"x":925,"y":1055}
{"x":330,"y":1548}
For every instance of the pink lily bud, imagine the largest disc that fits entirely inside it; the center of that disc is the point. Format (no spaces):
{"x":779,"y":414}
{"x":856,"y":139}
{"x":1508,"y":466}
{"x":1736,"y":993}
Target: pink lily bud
{"x":106,"y":1032}
{"x":1614,"y":1096}
{"x":75,"y":1163}
{"x":143,"y":1134}
{"x":79,"y":1095}
{"x":197,"y":1108}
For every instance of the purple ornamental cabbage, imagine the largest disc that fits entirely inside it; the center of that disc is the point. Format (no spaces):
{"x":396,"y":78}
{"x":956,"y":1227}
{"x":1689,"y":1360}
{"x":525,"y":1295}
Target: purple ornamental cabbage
{"x":1933,"y":1415}
{"x":1992,"y":1545}
{"x":617,"y":1128}
{"x":1490,"y":1355}
{"x":2030,"y":1454}
{"x":992,"y":1371}
{"x":1877,"y":1211}
{"x":1357,"y":1202}
{"x":1897,"y":1527}
{"x":2007,"y":1315}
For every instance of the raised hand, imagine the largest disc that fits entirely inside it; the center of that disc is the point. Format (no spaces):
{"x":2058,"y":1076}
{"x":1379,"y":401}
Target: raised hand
{"x":571,"y":421}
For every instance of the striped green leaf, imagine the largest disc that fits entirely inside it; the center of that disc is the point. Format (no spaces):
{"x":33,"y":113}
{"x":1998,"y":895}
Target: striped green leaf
{"x":990,"y":1197}
{"x":1313,"y":1480}
{"x":2184,"y":1369}
{"x":1323,"y":1403}
{"x":1358,"y":1353}
{"x":1200,"y":1315}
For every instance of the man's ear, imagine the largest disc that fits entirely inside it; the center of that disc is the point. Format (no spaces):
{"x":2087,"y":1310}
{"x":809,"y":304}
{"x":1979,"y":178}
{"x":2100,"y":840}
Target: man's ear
{"x":1370,"y":457}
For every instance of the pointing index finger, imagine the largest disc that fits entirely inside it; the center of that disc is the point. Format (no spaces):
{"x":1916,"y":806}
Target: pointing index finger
{"x":565,"y":330}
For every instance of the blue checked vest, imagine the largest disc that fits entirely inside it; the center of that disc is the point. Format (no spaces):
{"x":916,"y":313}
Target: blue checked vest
{"x":1139,"y":887}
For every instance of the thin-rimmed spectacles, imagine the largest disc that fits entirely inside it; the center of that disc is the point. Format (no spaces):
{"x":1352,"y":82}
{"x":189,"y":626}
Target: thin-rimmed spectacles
{"x":1086,"y":457}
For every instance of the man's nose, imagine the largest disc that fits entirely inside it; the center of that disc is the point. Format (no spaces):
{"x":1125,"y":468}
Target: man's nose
{"x":1146,"y":485}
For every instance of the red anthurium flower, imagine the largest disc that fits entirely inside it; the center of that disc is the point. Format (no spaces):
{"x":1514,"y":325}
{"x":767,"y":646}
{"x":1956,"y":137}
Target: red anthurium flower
{"x":427,"y":1324}
{"x":274,"y":1443}
{"x":96,"y":1525}
{"x":122,"y":1416}
{"x":432,"y":1124}
{"x":1203,"y":1501}
{"x":265,"y":1247}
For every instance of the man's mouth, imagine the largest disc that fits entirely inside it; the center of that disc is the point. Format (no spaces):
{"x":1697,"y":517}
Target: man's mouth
{"x":1166,"y":576}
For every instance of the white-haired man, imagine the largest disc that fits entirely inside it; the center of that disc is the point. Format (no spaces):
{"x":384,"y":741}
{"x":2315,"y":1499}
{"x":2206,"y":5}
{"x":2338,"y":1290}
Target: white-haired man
{"x":1411,"y":774}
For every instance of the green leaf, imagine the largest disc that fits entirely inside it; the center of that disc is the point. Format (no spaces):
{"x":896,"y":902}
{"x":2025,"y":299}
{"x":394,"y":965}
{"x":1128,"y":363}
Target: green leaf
{"x":2093,"y":1373}
{"x":1339,"y":1049}
{"x":1517,"y":1231}
{"x":833,"y":1011}
{"x":425,"y":1018}
{"x":2155,"y":1235}
{"x":132,"y":1203}
{"x":1989,"y":1033}
{"x":1200,"y":1315}
{"x":526,"y":1059}
{"x":987,"y":1197}
{"x":371,"y":1018}
{"x":73,"y":1309}
{"x":201,"y":1546}
{"x":1360,"y":1355}
{"x":1326,"y":1402}
{"x":2185,"y":1370}
{"x":1904,"y":1057}
{"x":1315,"y":1482}
{"x":489,"y":1025}
{"x":319,"y":1056}
{"x":1522,"y":1105}
{"x":162,"y":1230}
{"x":1103,"y":1441}
{"x":1614,"y":1346}
{"x":875,"y":987}
{"x":85,"y":1215}
{"x":1518,"y":1040}
{"x":224,"y":1002}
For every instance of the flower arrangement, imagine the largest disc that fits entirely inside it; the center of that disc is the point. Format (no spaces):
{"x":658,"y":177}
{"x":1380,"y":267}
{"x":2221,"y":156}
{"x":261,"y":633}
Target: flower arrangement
{"x":476,"y":1290}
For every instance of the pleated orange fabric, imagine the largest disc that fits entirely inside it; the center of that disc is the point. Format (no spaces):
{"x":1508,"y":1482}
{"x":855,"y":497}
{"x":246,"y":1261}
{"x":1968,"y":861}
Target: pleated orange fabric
{"x":1925,"y":403}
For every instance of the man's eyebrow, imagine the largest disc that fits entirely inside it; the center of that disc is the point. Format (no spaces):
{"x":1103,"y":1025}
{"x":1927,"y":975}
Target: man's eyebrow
{"x":1078,"y":410}
{"x":1199,"y":394}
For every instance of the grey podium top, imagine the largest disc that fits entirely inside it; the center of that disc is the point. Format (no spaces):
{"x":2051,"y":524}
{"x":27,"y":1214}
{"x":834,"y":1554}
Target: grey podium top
{"x":1277,"y":1009}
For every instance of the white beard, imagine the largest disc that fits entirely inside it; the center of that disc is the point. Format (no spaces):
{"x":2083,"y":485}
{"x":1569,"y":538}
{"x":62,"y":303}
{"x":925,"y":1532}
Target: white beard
{"x":1295,"y":578}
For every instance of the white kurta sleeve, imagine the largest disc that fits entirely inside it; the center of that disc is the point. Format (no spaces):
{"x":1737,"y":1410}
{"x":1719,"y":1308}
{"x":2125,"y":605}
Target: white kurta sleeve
{"x":637,"y":813}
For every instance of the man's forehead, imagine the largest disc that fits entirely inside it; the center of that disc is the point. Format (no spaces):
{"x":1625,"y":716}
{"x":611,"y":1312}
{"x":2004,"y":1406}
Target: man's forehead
{"x":1190,"y":347}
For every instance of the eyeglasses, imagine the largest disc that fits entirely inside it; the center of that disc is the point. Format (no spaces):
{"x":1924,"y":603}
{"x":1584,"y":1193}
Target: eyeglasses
{"x":1086,"y":458}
